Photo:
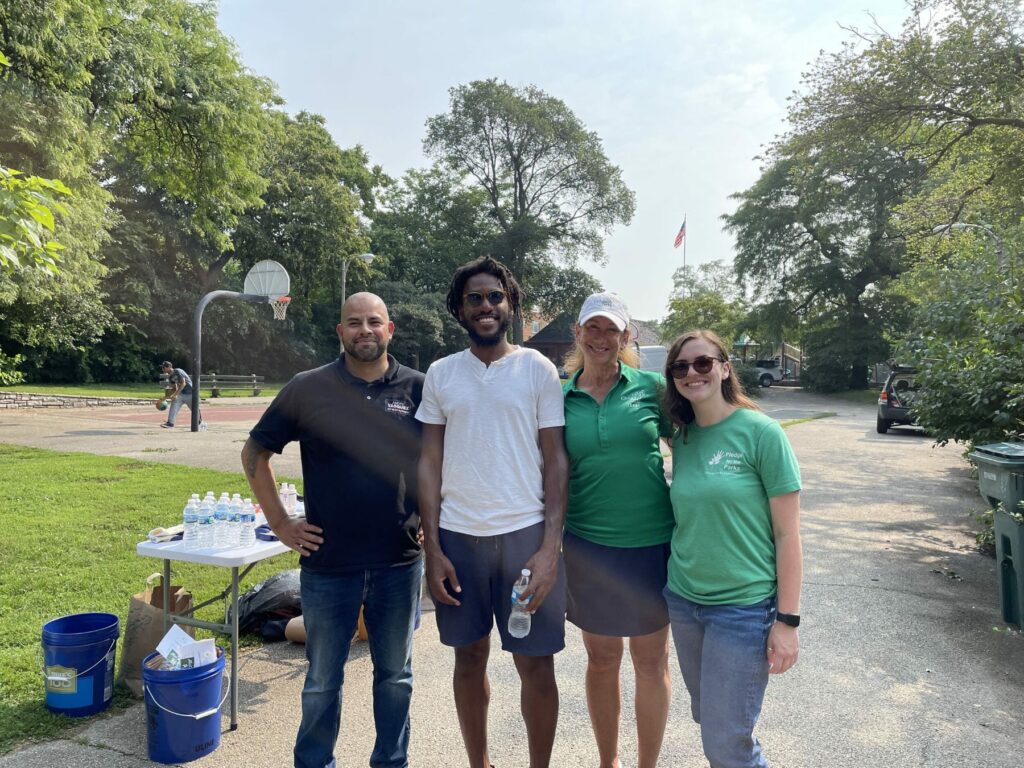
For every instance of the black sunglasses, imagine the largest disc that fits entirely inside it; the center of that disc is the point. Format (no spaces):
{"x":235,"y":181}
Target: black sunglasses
{"x":702,"y":364}
{"x":476,"y":298}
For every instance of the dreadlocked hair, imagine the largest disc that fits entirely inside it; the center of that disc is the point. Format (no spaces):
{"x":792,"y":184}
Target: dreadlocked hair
{"x":484,"y":265}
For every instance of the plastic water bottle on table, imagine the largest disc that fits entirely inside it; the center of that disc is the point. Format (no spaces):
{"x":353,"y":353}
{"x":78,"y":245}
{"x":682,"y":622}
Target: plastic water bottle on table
{"x":247,"y":533}
{"x":190,"y":522}
{"x":235,"y":520}
{"x":220,"y":521}
{"x":204,"y":525}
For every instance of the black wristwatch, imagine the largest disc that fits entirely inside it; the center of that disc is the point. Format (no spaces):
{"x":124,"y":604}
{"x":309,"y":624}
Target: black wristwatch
{"x":789,"y":619}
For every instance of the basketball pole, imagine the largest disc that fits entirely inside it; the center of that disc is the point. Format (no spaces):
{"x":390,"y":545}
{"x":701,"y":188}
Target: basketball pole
{"x":197,"y":341}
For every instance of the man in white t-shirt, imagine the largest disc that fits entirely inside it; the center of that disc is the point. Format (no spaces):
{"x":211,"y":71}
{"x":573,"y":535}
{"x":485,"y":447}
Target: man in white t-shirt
{"x":493,"y":478}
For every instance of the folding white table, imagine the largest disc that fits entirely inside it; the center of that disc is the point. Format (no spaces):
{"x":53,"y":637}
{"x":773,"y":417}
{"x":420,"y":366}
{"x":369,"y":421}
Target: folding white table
{"x":234,"y":559}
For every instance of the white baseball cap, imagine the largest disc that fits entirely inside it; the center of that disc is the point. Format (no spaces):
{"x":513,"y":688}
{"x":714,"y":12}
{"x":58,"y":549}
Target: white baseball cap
{"x":605,"y":305}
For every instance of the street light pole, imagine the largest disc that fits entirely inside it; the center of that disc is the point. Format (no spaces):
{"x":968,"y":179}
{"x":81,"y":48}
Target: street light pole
{"x":1000,"y":252}
{"x":367,"y":258}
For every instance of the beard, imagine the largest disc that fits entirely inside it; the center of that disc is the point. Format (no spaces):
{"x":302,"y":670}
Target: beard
{"x":491,"y":340}
{"x":365,"y":354}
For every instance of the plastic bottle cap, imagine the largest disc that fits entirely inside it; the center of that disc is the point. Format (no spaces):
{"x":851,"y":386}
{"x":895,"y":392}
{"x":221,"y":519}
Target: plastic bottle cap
{"x":525,"y":571}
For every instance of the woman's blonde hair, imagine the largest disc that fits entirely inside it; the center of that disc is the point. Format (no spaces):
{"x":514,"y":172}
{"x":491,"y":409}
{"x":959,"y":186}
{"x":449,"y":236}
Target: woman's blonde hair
{"x":574,"y":357}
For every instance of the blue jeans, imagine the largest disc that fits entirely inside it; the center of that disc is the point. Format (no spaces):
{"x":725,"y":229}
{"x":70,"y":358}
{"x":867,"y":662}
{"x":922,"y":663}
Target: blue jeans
{"x":184,"y":398}
{"x":725,"y":645}
{"x":330,"y":610}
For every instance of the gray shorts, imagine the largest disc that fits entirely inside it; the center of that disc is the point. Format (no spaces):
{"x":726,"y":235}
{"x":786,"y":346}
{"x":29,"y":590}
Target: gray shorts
{"x":616,"y":591}
{"x":487,"y":567}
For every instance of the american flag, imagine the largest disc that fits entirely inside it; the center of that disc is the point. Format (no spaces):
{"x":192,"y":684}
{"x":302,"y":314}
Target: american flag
{"x":681,"y":235}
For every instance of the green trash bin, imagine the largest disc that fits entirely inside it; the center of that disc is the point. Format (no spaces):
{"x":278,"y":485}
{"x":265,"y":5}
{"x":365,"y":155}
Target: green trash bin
{"x":1001,"y":479}
{"x":1000,"y":473}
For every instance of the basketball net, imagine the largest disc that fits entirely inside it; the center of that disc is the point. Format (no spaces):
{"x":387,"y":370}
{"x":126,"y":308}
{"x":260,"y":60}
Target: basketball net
{"x":280,"y":306}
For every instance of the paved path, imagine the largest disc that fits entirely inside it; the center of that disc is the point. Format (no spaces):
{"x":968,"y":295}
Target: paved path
{"x":905,"y":662}
{"x":135,"y":432}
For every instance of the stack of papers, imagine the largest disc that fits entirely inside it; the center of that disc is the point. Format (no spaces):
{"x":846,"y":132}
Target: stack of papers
{"x":179,"y":651}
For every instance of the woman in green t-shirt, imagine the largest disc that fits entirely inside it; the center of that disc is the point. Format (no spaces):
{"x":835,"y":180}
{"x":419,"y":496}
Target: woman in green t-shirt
{"x":736,"y":566}
{"x":618,"y":525}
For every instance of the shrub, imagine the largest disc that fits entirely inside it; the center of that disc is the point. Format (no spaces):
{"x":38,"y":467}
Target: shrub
{"x":9,"y":373}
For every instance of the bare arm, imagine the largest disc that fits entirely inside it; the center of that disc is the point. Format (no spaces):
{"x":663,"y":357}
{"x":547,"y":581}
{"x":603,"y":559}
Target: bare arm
{"x":439,"y":567}
{"x":783,"y":640}
{"x":301,"y":536}
{"x":544,"y":563}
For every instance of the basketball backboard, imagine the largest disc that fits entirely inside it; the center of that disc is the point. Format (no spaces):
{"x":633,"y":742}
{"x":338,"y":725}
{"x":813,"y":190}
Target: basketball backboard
{"x":267,"y":278}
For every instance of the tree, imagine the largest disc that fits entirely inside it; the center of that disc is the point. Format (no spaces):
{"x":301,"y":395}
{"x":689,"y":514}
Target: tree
{"x":815,"y":234}
{"x":967,"y":336}
{"x":318,"y":196}
{"x":946,"y":90}
{"x":705,"y":296}
{"x":100,"y":92}
{"x":27,"y":206}
{"x":549,"y":186}
{"x":428,"y":225}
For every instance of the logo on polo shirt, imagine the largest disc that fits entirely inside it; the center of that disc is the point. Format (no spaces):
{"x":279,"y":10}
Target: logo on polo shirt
{"x":634,"y":399}
{"x":397,"y":407}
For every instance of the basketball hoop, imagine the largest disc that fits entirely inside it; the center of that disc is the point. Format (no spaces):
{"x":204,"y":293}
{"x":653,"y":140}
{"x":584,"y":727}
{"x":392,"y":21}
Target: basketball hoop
{"x":280,"y":306}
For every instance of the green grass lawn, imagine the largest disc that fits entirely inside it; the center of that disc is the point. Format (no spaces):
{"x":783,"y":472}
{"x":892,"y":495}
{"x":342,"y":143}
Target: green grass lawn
{"x":70,"y":524}
{"x":150,"y":390}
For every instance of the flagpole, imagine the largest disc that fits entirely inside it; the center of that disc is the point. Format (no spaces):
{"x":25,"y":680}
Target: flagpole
{"x":685,"y":238}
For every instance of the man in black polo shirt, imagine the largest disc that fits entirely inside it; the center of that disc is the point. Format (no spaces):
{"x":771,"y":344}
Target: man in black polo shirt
{"x":359,"y":443}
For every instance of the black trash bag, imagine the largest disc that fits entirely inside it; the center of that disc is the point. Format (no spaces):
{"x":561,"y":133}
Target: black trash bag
{"x":272,"y":599}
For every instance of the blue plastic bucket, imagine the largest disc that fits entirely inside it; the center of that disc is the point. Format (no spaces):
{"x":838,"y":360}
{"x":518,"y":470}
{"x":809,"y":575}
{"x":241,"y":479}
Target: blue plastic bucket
{"x":182,"y":710}
{"x":78,"y":663}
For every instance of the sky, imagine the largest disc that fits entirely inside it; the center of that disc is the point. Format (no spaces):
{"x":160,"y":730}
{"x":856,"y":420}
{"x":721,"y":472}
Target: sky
{"x":683,"y":94}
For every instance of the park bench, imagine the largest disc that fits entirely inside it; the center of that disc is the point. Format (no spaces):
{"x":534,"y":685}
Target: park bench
{"x":218,"y":382}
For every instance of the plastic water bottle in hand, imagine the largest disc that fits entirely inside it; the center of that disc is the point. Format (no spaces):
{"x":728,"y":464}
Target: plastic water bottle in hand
{"x":520,"y":619}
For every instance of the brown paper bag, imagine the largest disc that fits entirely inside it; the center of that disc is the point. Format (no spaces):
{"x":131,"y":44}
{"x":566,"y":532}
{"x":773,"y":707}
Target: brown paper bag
{"x":144,"y":628}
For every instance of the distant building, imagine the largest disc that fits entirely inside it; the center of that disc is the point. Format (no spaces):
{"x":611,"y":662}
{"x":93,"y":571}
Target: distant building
{"x":555,"y":340}
{"x":533,"y":323}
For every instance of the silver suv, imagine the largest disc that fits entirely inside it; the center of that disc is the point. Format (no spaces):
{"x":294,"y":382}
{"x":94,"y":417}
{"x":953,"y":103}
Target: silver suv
{"x":770,"y":371}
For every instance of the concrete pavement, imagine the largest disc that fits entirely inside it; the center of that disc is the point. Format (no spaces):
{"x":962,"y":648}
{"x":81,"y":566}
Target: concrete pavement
{"x":905,"y":661}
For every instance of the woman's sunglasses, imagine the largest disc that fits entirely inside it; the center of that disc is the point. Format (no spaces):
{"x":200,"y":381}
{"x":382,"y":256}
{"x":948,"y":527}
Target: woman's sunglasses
{"x":702,"y":364}
{"x":475,"y":298}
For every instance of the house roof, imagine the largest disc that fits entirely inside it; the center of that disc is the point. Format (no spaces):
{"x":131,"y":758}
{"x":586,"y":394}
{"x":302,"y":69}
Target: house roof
{"x":647,"y":333}
{"x":558,"y":331}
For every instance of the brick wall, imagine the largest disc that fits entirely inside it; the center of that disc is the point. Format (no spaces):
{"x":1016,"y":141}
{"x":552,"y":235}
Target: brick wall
{"x":32,"y":400}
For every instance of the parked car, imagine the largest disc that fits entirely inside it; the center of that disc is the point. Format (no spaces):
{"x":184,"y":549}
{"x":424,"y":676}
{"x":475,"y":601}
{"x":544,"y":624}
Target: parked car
{"x":769,"y":371}
{"x":653,"y":358}
{"x":896,"y":400}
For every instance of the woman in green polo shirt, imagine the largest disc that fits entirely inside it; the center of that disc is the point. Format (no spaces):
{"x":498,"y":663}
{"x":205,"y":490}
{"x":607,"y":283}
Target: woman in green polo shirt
{"x":734,"y":577}
{"x":618,"y":525}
